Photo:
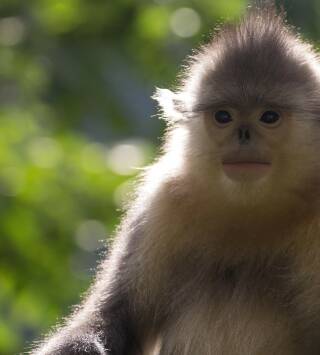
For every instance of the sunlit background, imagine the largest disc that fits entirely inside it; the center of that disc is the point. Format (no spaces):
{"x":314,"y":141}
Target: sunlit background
{"x":76,"y":123}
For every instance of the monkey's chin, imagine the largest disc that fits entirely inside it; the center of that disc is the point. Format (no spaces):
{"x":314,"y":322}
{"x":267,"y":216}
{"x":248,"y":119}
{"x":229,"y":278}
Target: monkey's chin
{"x":246,"y":171}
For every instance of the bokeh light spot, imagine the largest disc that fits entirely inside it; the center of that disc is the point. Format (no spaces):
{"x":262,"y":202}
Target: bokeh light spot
{"x":185,"y":22}
{"x":12,"y":31}
{"x":89,"y":235}
{"x":45,"y":152}
{"x":124,"y":158}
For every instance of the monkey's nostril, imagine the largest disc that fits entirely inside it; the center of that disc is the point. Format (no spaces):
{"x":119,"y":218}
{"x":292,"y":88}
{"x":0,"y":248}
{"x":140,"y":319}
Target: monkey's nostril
{"x":244,"y":135}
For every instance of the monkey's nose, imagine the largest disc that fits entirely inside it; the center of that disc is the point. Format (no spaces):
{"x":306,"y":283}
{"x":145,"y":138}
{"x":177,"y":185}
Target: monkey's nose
{"x":244,"y":134}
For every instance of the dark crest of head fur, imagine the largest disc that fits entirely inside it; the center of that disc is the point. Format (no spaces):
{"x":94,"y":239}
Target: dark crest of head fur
{"x":249,"y":63}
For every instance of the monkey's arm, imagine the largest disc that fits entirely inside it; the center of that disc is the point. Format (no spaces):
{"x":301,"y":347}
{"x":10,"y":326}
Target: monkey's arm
{"x":100,"y":327}
{"x":103,"y":324}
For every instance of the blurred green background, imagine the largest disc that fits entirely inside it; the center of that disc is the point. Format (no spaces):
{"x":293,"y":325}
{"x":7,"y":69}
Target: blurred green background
{"x":75,"y":124}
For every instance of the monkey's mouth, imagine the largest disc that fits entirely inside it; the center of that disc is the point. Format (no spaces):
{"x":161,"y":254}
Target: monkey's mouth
{"x":245,"y":168}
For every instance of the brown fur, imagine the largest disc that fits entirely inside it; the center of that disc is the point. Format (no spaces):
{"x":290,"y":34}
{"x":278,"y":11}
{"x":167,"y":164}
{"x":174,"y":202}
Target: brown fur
{"x":204,"y":263}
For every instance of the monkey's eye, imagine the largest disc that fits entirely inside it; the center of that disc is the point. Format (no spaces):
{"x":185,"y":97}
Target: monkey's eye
{"x":222,"y":117}
{"x":270,"y":118}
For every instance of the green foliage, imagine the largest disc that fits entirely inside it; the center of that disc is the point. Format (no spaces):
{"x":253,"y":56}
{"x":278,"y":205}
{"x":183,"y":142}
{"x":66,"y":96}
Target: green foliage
{"x":76,"y":77}
{"x":59,"y":197}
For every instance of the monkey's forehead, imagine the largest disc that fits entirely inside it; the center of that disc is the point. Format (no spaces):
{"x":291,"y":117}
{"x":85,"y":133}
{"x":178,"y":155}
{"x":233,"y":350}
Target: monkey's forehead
{"x":241,"y":78}
{"x":258,"y":60}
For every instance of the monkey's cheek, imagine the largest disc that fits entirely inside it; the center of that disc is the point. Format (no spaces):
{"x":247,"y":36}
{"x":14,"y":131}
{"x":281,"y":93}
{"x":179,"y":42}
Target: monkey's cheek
{"x":246,"y":171}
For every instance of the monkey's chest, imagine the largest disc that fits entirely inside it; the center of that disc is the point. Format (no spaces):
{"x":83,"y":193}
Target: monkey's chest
{"x":237,"y":314}
{"x":237,"y":327}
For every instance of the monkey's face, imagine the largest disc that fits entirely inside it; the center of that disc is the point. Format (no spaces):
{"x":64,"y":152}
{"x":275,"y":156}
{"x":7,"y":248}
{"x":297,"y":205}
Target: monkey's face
{"x":247,"y":141}
{"x":254,"y":151}
{"x":260,"y":150}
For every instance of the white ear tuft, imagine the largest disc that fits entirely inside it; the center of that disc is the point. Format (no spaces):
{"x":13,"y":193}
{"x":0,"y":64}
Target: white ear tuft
{"x":170,"y":105}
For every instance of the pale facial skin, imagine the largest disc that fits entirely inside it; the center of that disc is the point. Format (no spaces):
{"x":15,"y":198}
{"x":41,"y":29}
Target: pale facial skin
{"x":247,"y":140}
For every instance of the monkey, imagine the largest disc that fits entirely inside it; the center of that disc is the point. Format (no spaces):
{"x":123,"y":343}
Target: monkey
{"x":219,"y":251}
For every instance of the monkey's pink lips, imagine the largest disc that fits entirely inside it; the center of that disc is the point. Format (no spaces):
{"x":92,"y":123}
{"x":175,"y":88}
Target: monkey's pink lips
{"x":257,"y":168}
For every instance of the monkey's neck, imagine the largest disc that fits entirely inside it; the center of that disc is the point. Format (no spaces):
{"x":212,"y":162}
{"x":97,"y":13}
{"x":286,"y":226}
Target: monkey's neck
{"x":196,"y":218}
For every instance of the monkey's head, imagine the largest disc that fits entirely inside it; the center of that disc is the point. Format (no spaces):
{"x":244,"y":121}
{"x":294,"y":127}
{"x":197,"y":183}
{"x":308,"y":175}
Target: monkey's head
{"x":246,"y":118}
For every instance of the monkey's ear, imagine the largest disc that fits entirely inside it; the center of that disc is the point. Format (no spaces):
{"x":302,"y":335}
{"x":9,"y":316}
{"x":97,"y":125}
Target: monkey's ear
{"x":171,"y":105}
